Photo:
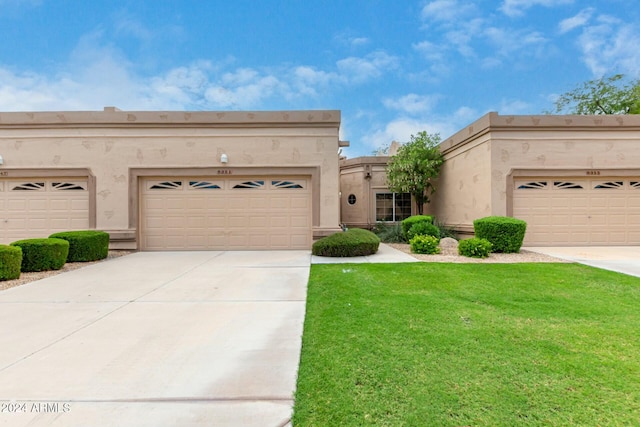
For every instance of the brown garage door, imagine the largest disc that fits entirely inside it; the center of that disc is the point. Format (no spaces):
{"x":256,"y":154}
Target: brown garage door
{"x":199,"y":213}
{"x":31,"y":208}
{"x":579,"y":211}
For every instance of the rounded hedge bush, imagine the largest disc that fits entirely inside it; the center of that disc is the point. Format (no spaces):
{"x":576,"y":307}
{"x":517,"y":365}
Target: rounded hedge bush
{"x":424,"y":244}
{"x":506,"y":234}
{"x":85,"y":245}
{"x":423,"y":229}
{"x":474,"y":248}
{"x":10,"y":262}
{"x":413,"y":220}
{"x":353,"y":242}
{"x":43,"y":254}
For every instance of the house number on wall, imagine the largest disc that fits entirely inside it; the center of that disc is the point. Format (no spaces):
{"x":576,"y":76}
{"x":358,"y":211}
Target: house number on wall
{"x":593,"y":172}
{"x":4,"y":173}
{"x":224,"y":171}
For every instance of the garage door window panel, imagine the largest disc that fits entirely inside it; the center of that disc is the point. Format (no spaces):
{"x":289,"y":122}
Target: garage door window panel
{"x":534,"y":185}
{"x":166,"y":185}
{"x":567,"y":185}
{"x":252,"y":185}
{"x":68,"y":186}
{"x":29,"y":186}
{"x":291,"y":185}
{"x":204,"y":185}
{"x":608,"y":185}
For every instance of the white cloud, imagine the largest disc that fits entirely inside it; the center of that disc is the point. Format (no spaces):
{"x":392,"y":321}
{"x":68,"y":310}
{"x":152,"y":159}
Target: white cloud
{"x":515,"y":106}
{"x":431,"y":51}
{"x":576,"y":21}
{"x":514,"y":8}
{"x":401,"y":128}
{"x":347,"y":38}
{"x":372,"y":66}
{"x":98,"y":74}
{"x":611,"y":46}
{"x":358,"y":41}
{"x":411,"y":103}
{"x":507,"y":40}
{"x":446,"y":11}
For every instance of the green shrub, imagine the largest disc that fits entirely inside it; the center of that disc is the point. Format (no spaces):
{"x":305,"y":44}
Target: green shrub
{"x":10,"y":262}
{"x":85,"y":245}
{"x":43,"y":254}
{"x":412,"y":220}
{"x":423,"y":229}
{"x":474,"y":248}
{"x":389,"y":232}
{"x":424,"y":244}
{"x":353,"y":242}
{"x":505,"y":233}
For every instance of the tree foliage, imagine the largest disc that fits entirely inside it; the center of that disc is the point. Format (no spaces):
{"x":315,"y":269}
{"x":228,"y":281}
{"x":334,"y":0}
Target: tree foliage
{"x":415,"y":167}
{"x":606,"y":95}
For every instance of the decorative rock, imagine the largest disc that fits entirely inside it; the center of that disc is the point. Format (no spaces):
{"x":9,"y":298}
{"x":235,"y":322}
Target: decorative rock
{"x":448,"y":246}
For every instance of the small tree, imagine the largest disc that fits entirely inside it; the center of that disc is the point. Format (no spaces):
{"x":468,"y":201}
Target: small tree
{"x":607,"y":95}
{"x":415,"y":167}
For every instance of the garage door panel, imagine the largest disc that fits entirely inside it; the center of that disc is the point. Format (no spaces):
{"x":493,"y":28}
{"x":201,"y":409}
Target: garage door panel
{"x":604,"y":211}
{"x":559,"y":202}
{"x":244,"y":213}
{"x":633,"y":201}
{"x":40,"y":207}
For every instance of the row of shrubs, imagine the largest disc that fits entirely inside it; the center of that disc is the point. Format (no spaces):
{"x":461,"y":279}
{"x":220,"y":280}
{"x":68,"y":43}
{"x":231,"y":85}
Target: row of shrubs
{"x":423,"y":233}
{"x":52,"y":253}
{"x":492,"y":234}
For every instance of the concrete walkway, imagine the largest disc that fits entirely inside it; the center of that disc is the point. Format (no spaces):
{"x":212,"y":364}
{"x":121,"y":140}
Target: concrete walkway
{"x":385,"y":254}
{"x":156,"y":339}
{"x":623,"y":259}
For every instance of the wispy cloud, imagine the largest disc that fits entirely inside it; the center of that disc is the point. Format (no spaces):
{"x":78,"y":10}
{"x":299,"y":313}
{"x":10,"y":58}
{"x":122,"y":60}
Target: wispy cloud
{"x":401,"y":128}
{"x":412,"y":103}
{"x":99,"y":74}
{"x":611,"y":45}
{"x":349,"y":39}
{"x":447,"y":11}
{"x":515,"y":8}
{"x":576,"y":21}
{"x":371,"y":66}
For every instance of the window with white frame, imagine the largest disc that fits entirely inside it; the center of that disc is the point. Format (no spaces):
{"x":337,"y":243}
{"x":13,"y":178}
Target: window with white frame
{"x":393,"y":206}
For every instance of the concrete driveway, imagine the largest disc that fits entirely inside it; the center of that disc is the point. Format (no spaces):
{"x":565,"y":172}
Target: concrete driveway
{"x":623,"y":259}
{"x":156,"y":339}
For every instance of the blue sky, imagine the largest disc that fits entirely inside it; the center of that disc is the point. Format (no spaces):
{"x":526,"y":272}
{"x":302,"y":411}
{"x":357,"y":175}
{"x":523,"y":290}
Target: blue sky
{"x":393,"y":67}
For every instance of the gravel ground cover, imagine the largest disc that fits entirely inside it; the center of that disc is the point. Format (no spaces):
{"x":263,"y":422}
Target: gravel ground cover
{"x":449,"y":253}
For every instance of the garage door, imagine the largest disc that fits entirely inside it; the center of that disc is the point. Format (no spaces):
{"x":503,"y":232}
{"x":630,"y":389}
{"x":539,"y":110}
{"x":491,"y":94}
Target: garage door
{"x":196,"y":213}
{"x":579,"y":211}
{"x":31,"y":208}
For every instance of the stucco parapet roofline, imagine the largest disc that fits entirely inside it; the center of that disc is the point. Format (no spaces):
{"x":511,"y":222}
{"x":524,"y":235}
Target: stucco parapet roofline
{"x":364,"y":160}
{"x":494,"y":122}
{"x":113,"y":117}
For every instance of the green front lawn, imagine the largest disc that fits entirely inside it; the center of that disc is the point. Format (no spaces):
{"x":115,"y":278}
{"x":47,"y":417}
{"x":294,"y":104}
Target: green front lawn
{"x":430,"y":344}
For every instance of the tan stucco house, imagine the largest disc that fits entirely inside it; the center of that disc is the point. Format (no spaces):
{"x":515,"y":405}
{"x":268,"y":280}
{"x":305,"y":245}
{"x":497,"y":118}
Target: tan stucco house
{"x":169,"y":180}
{"x":574,"y":179}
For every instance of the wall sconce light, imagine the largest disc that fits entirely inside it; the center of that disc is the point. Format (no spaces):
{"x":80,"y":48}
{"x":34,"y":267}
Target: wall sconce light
{"x":1,"y":161}
{"x":224,"y":158}
{"x":368,"y":175}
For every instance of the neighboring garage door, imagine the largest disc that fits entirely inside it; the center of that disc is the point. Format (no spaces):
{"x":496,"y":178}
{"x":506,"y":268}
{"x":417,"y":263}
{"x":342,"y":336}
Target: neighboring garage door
{"x":37,"y":207}
{"x":199,"y":213}
{"x":579,"y":211}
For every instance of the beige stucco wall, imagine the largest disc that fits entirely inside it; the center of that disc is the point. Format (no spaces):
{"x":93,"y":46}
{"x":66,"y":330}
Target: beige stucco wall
{"x":482,"y":159}
{"x":362,"y":177}
{"x":463,"y":188}
{"x":111,"y":143}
